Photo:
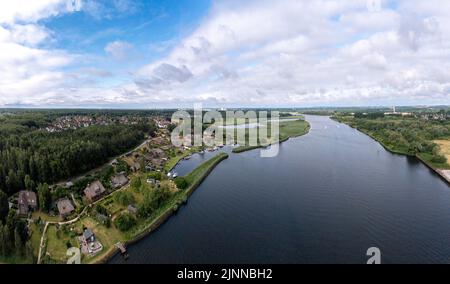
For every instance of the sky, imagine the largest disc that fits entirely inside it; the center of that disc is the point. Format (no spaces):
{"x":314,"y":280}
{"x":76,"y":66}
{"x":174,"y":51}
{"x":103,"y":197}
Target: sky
{"x":224,"y":53}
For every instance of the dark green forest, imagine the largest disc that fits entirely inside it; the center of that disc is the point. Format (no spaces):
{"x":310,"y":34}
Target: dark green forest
{"x":30,"y":155}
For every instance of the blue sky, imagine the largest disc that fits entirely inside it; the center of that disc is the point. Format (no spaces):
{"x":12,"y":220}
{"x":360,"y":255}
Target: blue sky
{"x":175,"y":53}
{"x":150,"y":29}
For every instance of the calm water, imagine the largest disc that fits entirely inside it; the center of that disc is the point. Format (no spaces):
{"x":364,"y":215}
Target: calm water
{"x":326,"y":198}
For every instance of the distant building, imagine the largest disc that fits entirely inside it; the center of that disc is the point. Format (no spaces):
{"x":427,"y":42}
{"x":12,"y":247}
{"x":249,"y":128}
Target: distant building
{"x":27,"y":202}
{"x":94,"y":191}
{"x":65,"y":207}
{"x":119,"y":180}
{"x":69,"y":184}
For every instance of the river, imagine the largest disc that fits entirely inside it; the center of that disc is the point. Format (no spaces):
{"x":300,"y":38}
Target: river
{"x":326,"y":198}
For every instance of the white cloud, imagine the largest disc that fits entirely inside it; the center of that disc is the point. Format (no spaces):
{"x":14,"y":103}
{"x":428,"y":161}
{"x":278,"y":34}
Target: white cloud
{"x":304,"y":52}
{"x":253,"y":52}
{"x":29,"y":10}
{"x":120,"y":50}
{"x":28,"y":71}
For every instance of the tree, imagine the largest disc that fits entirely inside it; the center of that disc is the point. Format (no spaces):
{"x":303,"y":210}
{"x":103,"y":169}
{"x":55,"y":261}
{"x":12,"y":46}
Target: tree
{"x":124,"y":198}
{"x":45,"y":197}
{"x":4,"y":206}
{"x":136,"y":183}
{"x":2,"y":244}
{"x":125,"y":222}
{"x":146,"y":207}
{"x":18,"y":244}
{"x":29,"y":183}
{"x":181,"y":183}
{"x":5,"y":240}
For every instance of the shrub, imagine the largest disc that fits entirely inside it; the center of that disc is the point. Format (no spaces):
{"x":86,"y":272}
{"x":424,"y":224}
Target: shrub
{"x":438,"y":159}
{"x":124,"y":222}
{"x":181,"y":183}
{"x":124,"y":198}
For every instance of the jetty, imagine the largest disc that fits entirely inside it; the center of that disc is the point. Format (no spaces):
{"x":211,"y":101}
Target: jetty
{"x":123,"y":251}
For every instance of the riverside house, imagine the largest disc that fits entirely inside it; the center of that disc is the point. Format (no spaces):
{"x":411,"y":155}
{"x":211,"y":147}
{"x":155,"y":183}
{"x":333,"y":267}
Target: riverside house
{"x":119,"y":180}
{"x":65,"y":207}
{"x":27,"y":202}
{"x":94,"y":191}
{"x":89,"y":244}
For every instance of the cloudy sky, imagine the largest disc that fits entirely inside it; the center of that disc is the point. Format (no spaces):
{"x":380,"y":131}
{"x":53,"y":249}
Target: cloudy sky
{"x":224,"y":53}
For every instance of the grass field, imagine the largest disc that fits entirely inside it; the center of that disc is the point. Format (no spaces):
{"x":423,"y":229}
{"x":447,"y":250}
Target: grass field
{"x":444,"y":145}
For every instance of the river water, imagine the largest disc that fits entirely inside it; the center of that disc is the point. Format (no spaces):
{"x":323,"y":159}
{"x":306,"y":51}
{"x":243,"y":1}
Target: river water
{"x":326,"y":198}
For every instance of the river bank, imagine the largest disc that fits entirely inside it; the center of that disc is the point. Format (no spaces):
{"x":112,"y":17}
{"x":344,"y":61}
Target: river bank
{"x":332,"y":186}
{"x":442,"y":173}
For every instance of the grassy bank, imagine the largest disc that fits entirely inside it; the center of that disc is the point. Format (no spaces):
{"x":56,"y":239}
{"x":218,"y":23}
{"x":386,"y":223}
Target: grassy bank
{"x":405,"y":136}
{"x":196,"y":177}
{"x":288,"y":129}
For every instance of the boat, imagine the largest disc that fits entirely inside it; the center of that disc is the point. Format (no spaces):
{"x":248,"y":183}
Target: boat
{"x":175,"y":175}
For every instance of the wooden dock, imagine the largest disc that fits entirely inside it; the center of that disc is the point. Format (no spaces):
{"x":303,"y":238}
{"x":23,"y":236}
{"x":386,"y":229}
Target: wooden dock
{"x":121,"y":248}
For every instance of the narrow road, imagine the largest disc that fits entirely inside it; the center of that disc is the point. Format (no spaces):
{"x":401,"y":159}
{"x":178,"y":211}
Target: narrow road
{"x":41,"y":245}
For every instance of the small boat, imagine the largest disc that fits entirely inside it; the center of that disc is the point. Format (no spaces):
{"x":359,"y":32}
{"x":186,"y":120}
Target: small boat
{"x":169,"y":174}
{"x":187,"y":157}
{"x":175,"y":175}
{"x":202,"y":152}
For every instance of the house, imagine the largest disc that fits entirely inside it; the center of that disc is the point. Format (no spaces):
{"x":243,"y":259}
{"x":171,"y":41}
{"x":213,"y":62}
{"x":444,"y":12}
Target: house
{"x":114,"y":162}
{"x":65,"y":207}
{"x":132,"y":209}
{"x":89,"y":244}
{"x":157,"y":153}
{"x":27,"y":202}
{"x":88,"y":236}
{"x":136,"y":167}
{"x":119,"y":180}
{"x":157,"y":163}
{"x":94,"y":191}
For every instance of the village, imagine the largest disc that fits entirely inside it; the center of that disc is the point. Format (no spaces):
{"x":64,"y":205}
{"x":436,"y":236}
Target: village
{"x":88,"y":217}
{"x":81,"y":121}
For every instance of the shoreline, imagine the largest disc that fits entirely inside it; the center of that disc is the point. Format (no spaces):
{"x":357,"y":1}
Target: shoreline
{"x":428,"y":165}
{"x":169,"y":212}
